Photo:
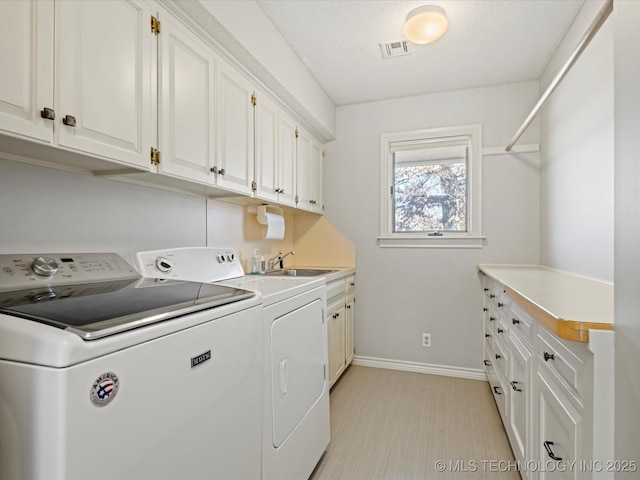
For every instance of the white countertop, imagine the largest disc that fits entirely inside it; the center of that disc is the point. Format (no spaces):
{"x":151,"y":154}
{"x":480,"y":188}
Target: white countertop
{"x":568,"y":304}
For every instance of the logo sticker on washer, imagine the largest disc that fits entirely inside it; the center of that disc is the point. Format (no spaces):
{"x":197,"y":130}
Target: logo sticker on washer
{"x":104,"y":389}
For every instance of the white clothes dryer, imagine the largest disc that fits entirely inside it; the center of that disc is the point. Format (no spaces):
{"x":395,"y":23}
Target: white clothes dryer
{"x":296,"y":422}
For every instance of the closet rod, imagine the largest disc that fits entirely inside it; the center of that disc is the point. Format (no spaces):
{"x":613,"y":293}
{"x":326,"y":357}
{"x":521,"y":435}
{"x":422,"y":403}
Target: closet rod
{"x":603,"y":14}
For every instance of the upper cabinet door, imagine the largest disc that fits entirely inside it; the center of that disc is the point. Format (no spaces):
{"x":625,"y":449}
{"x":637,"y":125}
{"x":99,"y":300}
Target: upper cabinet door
{"x":304,"y":171}
{"x":104,"y":79}
{"x":235,"y":158}
{"x":267,"y":186}
{"x":26,"y":56}
{"x":317,"y":157}
{"x":287,"y":159}
{"x":187,"y":103}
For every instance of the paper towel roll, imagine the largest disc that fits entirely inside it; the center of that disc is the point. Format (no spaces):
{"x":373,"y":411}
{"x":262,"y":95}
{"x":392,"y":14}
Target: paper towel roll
{"x":275,"y":226}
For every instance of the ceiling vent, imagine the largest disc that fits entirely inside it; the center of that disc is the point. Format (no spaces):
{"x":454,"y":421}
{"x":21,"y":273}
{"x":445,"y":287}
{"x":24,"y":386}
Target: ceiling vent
{"x":395,"y":49}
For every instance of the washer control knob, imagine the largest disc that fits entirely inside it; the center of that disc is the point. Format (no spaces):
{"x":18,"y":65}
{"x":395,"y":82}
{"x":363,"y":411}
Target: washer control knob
{"x":44,"y":266}
{"x":163,"y":264}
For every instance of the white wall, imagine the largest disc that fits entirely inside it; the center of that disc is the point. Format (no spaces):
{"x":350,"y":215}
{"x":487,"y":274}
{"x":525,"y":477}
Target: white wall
{"x":402,"y":293}
{"x":576,"y":135}
{"x":627,"y":232}
{"x":44,"y":210}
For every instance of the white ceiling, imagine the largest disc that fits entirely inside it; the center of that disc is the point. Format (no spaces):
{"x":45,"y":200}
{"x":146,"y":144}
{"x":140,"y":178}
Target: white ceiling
{"x":489,"y":42}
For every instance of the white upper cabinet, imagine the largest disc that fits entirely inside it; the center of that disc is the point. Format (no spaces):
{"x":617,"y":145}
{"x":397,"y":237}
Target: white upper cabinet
{"x":125,"y":87}
{"x":187,"y":72}
{"x":287,"y":163}
{"x":235,"y":153}
{"x":103,"y":79}
{"x":309,"y":173}
{"x":275,"y":153}
{"x":267,"y":186}
{"x":26,"y":56}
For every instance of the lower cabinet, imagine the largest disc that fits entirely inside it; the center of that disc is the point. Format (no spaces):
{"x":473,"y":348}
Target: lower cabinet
{"x":340,"y":318}
{"x":545,"y":390}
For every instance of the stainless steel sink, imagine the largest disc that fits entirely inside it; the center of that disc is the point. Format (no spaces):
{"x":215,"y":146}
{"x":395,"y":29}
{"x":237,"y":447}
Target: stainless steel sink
{"x":300,"y":272}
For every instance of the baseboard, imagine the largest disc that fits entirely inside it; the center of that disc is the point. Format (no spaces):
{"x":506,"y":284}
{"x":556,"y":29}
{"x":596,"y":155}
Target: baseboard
{"x":444,"y":370}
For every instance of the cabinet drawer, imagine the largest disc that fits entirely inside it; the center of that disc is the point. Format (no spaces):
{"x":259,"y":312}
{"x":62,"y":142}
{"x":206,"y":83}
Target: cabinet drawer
{"x":335,"y":288}
{"x":558,"y":357}
{"x":521,"y":323}
{"x":350,"y":283}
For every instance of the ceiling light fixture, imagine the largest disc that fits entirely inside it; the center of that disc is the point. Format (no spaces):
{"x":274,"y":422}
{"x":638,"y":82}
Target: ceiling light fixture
{"x":425,"y":24}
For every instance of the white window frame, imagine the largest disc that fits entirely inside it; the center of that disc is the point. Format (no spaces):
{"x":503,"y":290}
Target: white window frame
{"x":472,"y":238}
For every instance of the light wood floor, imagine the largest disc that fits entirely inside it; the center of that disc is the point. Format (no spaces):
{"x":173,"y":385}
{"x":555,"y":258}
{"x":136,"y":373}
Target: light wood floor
{"x":394,"y":425}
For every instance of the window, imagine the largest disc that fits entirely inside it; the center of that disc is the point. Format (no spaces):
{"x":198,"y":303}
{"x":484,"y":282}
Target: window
{"x":430,"y":188}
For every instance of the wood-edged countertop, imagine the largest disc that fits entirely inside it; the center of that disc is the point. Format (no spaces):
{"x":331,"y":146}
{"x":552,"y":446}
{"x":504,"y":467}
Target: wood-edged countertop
{"x":567,"y":304}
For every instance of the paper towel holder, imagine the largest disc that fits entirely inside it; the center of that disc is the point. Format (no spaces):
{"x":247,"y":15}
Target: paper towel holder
{"x":262,"y":212}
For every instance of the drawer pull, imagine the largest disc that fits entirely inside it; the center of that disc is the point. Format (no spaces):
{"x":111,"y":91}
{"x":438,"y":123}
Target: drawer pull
{"x":495,"y":390}
{"x":492,"y":319}
{"x":514,"y":385}
{"x":486,"y":289}
{"x":491,"y":295}
{"x":548,"y":356}
{"x":498,"y":357}
{"x":485,"y":309}
{"x":500,"y":330}
{"x":515,"y":321}
{"x":500,"y":305}
{"x":487,"y":363}
{"x":552,"y":456}
{"x":487,"y":335}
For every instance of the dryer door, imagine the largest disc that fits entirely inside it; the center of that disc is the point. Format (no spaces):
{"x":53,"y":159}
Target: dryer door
{"x":297,"y":367}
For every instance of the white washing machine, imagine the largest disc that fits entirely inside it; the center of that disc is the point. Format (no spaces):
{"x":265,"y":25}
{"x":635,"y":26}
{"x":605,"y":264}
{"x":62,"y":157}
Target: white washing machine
{"x":105,"y":374}
{"x":296,"y":393}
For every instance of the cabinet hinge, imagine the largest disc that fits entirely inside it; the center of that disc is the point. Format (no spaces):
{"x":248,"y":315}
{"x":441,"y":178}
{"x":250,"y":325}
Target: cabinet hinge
{"x":254,"y":186}
{"x":155,"y":25}
{"x":155,"y":156}
{"x":254,"y":100}
{"x":324,"y":370}
{"x":297,"y":199}
{"x":297,"y":133}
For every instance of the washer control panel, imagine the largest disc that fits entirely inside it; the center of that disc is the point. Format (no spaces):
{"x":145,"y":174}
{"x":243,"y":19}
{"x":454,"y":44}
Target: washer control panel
{"x":199,"y":264}
{"x":19,"y":271}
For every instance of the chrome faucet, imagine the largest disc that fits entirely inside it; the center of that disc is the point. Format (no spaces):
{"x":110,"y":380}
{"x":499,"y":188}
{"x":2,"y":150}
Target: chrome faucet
{"x":278,"y":259}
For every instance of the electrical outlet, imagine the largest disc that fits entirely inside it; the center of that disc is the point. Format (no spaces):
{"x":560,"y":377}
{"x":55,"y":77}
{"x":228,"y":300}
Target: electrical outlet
{"x":426,"y":339}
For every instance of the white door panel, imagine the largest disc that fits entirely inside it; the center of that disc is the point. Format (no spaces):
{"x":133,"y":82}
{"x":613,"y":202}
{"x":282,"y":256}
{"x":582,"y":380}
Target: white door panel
{"x":104,"y":77}
{"x":187,"y":106}
{"x":297,"y":366}
{"x":26,"y":56}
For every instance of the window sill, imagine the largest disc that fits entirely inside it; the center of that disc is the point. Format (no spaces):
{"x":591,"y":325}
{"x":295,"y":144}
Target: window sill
{"x":425,"y":241}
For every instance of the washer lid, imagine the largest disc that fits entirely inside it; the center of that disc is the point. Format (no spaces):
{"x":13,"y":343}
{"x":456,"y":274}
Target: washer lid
{"x":95,"y":310}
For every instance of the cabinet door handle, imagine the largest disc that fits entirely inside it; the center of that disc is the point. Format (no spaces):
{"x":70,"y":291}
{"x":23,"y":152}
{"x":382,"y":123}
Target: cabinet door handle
{"x":487,"y":335}
{"x":221,"y":171}
{"x":548,"y":356}
{"x":491,"y":295}
{"x":214,"y":170}
{"x":485,"y":309}
{"x":69,"y":120}
{"x":498,"y":356}
{"x":486,"y":289}
{"x":48,"y":113}
{"x":487,"y":363}
{"x":500,"y":330}
{"x":349,"y":307}
{"x":492,"y":319}
{"x":515,"y":321}
{"x":495,"y":390}
{"x":500,"y":305}
{"x":514,"y":385}
{"x":552,"y":456}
